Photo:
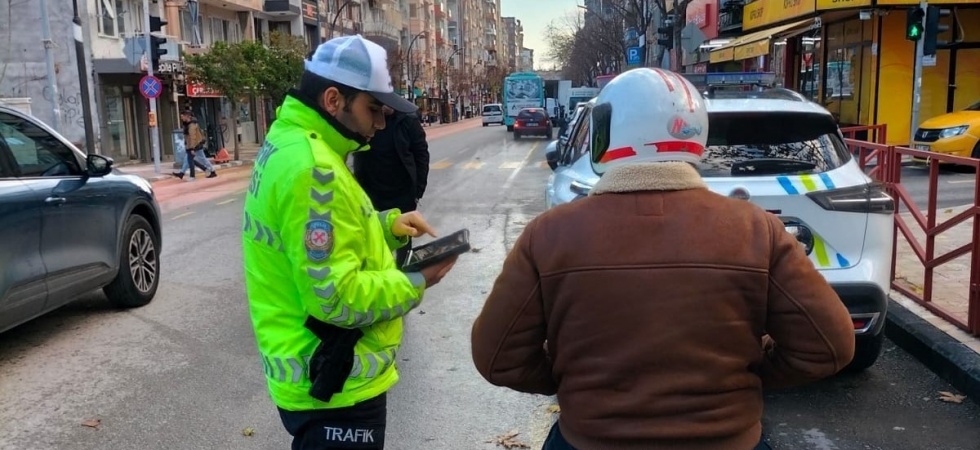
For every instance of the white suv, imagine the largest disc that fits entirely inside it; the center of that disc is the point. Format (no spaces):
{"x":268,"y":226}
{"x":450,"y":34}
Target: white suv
{"x":493,"y":113}
{"x":786,"y":154}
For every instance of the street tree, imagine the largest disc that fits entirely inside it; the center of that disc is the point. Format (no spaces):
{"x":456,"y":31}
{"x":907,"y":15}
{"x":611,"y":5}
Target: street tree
{"x":680,"y":20}
{"x":281,"y":65}
{"x":230,"y":69}
{"x":559,"y":35}
{"x":639,"y":14}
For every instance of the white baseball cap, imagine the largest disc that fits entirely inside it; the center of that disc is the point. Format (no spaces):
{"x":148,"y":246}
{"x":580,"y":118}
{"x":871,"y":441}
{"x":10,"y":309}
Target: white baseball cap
{"x":361,"y":64}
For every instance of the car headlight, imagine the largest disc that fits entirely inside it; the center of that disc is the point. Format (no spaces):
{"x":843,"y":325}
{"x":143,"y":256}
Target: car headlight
{"x":802,"y":234}
{"x":954,"y":131}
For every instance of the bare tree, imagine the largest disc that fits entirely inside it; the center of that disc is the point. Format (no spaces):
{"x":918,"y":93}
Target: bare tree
{"x":638,"y":14}
{"x":560,"y":37}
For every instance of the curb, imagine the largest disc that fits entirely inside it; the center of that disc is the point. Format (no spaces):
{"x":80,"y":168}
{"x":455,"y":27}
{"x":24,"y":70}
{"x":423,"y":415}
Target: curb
{"x":938,"y":351}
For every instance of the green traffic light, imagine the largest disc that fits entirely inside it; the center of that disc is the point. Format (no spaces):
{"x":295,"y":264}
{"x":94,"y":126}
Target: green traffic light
{"x":914,"y":32}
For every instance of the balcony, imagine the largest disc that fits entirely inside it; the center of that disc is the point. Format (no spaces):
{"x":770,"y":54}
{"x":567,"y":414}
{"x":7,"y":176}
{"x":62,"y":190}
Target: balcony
{"x":283,"y":7}
{"x":730,"y":17}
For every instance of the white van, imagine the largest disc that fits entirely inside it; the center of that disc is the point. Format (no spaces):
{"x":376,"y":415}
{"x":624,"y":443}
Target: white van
{"x":493,"y":113}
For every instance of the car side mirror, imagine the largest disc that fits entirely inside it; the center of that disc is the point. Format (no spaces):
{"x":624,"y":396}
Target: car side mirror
{"x":552,"y":157}
{"x":98,"y":165}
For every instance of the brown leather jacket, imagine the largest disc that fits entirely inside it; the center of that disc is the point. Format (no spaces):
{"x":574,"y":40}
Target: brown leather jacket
{"x":645,"y":306}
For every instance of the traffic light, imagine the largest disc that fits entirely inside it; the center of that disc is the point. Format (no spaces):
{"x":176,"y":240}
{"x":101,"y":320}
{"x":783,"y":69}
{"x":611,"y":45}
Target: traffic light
{"x":666,"y":33}
{"x":913,"y":24}
{"x":156,"y":42}
{"x":933,"y":29}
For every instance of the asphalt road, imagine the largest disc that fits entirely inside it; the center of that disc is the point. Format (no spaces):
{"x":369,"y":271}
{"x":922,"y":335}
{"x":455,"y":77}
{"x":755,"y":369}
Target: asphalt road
{"x":183,"y":372}
{"x":956,"y":185}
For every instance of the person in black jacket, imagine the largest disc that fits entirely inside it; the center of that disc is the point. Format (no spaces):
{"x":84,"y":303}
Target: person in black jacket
{"x":395,"y":170}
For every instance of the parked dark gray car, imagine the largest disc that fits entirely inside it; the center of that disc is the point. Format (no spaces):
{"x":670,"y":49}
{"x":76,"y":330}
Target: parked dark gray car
{"x":69,"y":225}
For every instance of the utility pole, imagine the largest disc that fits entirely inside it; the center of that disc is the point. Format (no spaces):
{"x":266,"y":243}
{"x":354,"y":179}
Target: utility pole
{"x":917,"y":77}
{"x":49,"y":60}
{"x":154,"y":135}
{"x":83,"y":79}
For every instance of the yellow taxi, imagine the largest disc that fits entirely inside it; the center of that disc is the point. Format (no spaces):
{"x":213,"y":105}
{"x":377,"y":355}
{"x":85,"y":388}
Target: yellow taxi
{"x":956,"y":133}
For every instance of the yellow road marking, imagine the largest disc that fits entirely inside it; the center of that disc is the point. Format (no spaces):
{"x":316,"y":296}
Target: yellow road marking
{"x":182,"y":215}
{"x":226,"y":201}
{"x":473,"y":165}
{"x":510,"y":165}
{"x":441,"y":164}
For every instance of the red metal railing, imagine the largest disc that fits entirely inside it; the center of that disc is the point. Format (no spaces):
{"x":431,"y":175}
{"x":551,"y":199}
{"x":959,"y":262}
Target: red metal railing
{"x":888,"y":169}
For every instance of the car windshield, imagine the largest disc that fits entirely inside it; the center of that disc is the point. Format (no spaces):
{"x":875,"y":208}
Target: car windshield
{"x":491,"y":108}
{"x":530,"y":114}
{"x":765,"y":143}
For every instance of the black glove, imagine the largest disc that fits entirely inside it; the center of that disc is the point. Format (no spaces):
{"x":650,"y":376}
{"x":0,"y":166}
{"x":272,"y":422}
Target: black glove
{"x":333,"y":359}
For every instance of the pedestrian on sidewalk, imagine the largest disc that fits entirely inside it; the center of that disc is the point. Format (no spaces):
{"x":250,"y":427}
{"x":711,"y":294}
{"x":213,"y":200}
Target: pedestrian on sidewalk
{"x":656,"y":310}
{"x":194,"y":141}
{"x":325,"y":295}
{"x":395,"y":171}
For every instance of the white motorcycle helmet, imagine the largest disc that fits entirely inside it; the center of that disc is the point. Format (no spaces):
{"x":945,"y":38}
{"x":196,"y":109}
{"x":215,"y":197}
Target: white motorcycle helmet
{"x":647,"y":115}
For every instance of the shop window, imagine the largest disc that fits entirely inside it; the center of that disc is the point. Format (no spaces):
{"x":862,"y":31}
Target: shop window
{"x":846,"y":79}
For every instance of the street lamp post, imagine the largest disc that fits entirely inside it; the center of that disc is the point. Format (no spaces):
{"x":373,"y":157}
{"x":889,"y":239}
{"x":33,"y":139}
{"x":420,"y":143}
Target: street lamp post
{"x":408,"y":65}
{"x":445,"y":85}
{"x":336,"y":16}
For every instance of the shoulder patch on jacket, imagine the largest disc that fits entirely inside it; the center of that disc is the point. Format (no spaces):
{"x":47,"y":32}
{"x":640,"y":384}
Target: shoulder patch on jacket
{"x":319,"y":239}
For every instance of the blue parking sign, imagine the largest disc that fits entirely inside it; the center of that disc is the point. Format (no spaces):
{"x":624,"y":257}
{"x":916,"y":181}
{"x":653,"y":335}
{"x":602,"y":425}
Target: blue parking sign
{"x":633,"y":56}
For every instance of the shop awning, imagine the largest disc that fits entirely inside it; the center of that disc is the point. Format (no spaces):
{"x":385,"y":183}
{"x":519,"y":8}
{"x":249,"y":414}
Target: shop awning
{"x":753,"y":44}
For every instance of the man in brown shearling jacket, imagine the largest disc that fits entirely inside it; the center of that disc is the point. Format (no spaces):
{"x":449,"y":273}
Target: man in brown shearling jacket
{"x":656,"y":310}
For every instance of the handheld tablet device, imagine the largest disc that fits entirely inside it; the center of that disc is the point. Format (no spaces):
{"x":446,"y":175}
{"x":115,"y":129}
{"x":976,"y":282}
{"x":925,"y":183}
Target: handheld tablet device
{"x":438,"y":250}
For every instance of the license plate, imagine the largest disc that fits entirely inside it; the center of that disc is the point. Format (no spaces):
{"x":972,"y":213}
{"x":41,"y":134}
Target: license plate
{"x":532,"y":124}
{"x":924,"y":148}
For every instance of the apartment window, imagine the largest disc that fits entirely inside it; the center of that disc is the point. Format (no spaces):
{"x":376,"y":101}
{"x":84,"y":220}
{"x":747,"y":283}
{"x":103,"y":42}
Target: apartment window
{"x":413,"y":11}
{"x":186,"y":27}
{"x":110,"y":17}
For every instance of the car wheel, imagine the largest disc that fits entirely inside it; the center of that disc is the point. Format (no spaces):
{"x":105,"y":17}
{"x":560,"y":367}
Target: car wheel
{"x":516,"y":136}
{"x":484,"y":125}
{"x":976,"y":151}
{"x":866,"y":352}
{"x":549,"y":135}
{"x":139,"y":266}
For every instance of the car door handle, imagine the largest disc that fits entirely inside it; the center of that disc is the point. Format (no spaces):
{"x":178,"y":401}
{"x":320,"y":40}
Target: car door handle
{"x":55,"y":200}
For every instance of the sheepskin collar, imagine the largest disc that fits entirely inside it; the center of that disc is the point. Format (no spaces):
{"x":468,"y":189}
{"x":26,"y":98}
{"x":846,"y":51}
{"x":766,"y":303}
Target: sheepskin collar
{"x":662,"y":176}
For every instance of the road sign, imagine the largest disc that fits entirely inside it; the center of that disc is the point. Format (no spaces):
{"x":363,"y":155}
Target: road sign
{"x":633,"y":56}
{"x":150,"y":86}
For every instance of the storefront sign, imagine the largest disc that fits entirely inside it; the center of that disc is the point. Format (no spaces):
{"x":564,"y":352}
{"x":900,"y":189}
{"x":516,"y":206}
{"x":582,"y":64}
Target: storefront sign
{"x":704,"y":14}
{"x":170,"y":67}
{"x":722,"y":55}
{"x":915,"y":2}
{"x":823,"y":5}
{"x":765,"y":12}
{"x":201,"y":90}
{"x":309,"y":10}
{"x":751,"y":50}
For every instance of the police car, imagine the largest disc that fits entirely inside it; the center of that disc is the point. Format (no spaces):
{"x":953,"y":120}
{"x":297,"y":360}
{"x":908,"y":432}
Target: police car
{"x":775,"y":148}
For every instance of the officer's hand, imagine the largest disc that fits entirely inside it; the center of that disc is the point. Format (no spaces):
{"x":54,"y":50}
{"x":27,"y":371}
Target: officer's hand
{"x":411,"y":224}
{"x":434,"y":273}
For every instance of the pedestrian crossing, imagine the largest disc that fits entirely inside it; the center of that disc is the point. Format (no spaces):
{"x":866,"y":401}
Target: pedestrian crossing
{"x":444,"y":164}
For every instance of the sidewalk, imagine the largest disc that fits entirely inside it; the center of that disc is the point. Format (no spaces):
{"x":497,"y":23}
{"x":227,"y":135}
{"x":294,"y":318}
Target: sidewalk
{"x":247,"y":152}
{"x":947,"y":350}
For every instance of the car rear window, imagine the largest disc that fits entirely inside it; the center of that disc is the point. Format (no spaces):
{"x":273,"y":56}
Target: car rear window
{"x":491,"y":108}
{"x":766,"y":143}
{"x":533,"y":114}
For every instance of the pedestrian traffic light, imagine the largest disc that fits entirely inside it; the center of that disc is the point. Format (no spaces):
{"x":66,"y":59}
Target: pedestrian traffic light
{"x":913,"y":24}
{"x":933,"y":29}
{"x":665,"y":33}
{"x":156,"y":42}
